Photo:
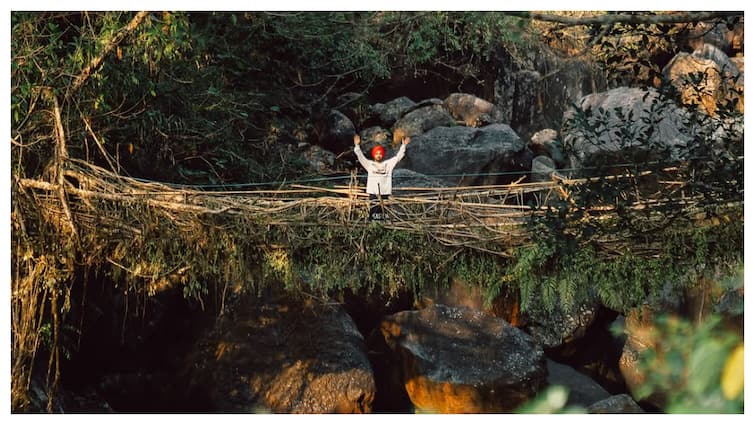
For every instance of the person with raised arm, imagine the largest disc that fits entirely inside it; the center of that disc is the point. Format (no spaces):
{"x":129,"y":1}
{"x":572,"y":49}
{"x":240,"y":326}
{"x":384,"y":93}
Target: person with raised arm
{"x":379,"y":173}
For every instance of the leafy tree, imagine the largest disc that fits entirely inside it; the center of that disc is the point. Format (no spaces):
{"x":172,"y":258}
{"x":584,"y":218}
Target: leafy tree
{"x":216,"y":97}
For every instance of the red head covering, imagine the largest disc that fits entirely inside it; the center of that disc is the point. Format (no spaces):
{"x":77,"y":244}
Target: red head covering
{"x":377,"y":149}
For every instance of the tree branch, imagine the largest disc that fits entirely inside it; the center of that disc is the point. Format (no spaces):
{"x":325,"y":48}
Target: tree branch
{"x":626,"y":18}
{"x":61,"y":154}
{"x":109,"y":46}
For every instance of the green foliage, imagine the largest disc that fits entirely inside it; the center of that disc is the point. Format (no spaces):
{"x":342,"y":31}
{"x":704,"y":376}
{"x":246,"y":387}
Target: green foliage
{"x":708,"y":155}
{"x":439,"y":36}
{"x":552,"y":272}
{"x":219,"y":97}
{"x":50,"y":49}
{"x":368,"y":259}
{"x":634,"y":52}
{"x":570,"y":240}
{"x":295,"y":259}
{"x":486,"y":272}
{"x":689,"y":366}
{"x":223,"y":97}
{"x":202,"y":78}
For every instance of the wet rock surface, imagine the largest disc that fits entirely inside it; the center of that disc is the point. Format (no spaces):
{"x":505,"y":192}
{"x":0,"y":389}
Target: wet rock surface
{"x":620,"y":403}
{"x":583,"y":391}
{"x":459,"y":360}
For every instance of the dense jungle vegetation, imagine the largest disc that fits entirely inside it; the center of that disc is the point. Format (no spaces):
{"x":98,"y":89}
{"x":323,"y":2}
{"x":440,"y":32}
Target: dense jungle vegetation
{"x":223,"y":98}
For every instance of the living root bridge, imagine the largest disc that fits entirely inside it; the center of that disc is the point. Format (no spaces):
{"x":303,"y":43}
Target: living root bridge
{"x":492,"y":218}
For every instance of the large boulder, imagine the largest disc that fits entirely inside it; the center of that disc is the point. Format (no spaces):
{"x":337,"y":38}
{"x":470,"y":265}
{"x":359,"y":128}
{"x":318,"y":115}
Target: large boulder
{"x":583,"y":390}
{"x":728,"y":67}
{"x":727,"y":35}
{"x":421,"y":120}
{"x":706,"y":78}
{"x":619,"y":403}
{"x":319,"y":159}
{"x":562,"y":324}
{"x":337,"y":132}
{"x":639,"y":327}
{"x":288,"y":357}
{"x":526,"y":107}
{"x":732,"y":73}
{"x":471,"y":110}
{"x":386,"y":114}
{"x":375,"y":135}
{"x":404,"y":180}
{"x":624,"y":125}
{"x":468,"y":156}
{"x":698,"y":81}
{"x":533,"y":89}
{"x":460,"y":360}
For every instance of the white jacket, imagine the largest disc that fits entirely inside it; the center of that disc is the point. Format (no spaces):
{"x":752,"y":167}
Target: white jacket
{"x":379,"y":174}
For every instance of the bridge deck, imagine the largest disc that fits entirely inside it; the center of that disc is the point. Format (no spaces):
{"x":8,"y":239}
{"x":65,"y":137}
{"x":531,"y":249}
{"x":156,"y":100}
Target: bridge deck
{"x":91,"y":198}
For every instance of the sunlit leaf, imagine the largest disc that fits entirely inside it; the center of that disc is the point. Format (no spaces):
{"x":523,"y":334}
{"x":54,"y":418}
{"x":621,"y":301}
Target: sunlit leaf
{"x":733,"y":376}
{"x":704,"y":365}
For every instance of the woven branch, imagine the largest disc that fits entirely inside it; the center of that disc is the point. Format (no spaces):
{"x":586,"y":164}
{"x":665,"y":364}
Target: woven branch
{"x":489,"y":218}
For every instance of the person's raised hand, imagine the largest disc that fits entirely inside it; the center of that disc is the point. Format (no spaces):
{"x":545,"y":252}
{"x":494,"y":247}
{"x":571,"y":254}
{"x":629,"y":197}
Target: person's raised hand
{"x":357,"y":140}
{"x":406,"y":140}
